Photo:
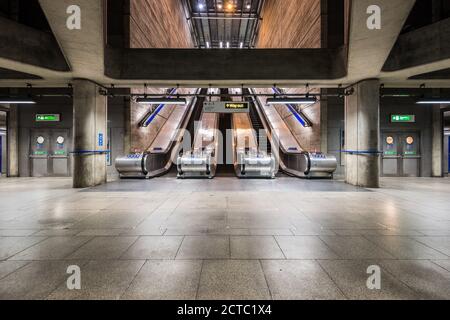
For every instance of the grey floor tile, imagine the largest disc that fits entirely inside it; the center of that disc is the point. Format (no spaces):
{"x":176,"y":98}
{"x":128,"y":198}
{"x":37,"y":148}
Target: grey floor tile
{"x":56,"y":232}
{"x":165,"y":280}
{"x":9,"y":246}
{"x":355,"y":247}
{"x":8,"y":267}
{"x":103,"y":248}
{"x":427,"y":279}
{"x":299,"y":280}
{"x":35,"y":281}
{"x":204,"y":247}
{"x":406,"y":248}
{"x":304,"y":247}
{"x":154,"y":247}
{"x":351,"y":277}
{"x":255,"y":247}
{"x":16,"y":232}
{"x":101,"y":232}
{"x":271,"y":232}
{"x":53,"y":248}
{"x":443,"y":263}
{"x":441,"y":244}
{"x":233,"y":280}
{"x":101,"y":280}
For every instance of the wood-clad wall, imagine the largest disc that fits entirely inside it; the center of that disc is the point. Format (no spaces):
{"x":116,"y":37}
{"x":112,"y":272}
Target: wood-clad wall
{"x":290,"y":24}
{"x":154,"y":24}
{"x":158,"y":24}
{"x":309,"y":138}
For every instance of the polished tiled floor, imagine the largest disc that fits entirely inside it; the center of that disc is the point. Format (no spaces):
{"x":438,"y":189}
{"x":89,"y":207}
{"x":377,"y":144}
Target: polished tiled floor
{"x":224,"y":239}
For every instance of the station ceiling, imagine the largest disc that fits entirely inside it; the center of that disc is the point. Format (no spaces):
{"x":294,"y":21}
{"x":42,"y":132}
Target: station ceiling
{"x":225,"y":24}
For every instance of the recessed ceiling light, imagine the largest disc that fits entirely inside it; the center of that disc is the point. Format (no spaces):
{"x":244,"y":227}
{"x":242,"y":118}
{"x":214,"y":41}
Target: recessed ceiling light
{"x":219,"y":6}
{"x":248,"y":6}
{"x":201,"y":6}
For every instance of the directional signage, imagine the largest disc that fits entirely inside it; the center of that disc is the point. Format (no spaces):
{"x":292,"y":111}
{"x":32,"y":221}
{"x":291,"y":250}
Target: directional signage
{"x":225,"y":107}
{"x":398,"y":118}
{"x":48,"y":117}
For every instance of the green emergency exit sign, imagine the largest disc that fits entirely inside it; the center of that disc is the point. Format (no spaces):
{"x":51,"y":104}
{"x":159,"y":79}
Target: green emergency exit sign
{"x":48,"y":117}
{"x":408,"y":118}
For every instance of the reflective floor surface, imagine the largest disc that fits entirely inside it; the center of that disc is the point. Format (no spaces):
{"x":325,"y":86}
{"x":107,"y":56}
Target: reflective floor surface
{"x":225,"y":239}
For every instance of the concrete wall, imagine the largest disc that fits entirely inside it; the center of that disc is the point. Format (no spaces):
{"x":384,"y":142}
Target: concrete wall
{"x":388,"y":106}
{"x":335,"y":131}
{"x":65,"y":108}
{"x":423,"y":125}
{"x":27,"y":122}
{"x":290,"y":24}
{"x":116,"y":131}
{"x":446,"y":153}
{"x":3,"y":142}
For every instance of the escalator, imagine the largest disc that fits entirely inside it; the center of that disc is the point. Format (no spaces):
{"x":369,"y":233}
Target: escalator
{"x":251,"y":159}
{"x":158,"y":157}
{"x":293,"y":159}
{"x":201,"y":160}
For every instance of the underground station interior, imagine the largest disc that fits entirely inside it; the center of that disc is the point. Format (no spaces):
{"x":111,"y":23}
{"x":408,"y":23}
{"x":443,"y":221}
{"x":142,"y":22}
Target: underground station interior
{"x":224,"y":149}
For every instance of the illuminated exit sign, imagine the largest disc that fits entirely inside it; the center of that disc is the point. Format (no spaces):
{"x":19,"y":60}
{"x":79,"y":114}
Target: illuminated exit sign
{"x":48,"y":117}
{"x":407,"y":118}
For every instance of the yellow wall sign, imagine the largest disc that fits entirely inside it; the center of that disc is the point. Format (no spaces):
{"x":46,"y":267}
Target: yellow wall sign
{"x":236,"y":105}
{"x":225,"y":107}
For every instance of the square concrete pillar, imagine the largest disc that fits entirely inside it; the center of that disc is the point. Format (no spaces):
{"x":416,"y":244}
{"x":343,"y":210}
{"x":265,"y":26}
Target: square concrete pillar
{"x":362,"y":131}
{"x":13,"y":141}
{"x":90,"y":135}
{"x":437,"y":154}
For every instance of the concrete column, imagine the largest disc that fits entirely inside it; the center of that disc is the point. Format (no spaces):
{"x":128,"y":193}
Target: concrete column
{"x":127,"y":126}
{"x":13,"y":141}
{"x":90,"y":134}
{"x":362,"y":131}
{"x":324,"y":121}
{"x":437,"y":143}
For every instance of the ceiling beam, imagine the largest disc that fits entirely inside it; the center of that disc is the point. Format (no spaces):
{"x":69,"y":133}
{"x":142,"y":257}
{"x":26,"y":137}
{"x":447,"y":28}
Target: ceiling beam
{"x":22,"y":45}
{"x":226,"y":64}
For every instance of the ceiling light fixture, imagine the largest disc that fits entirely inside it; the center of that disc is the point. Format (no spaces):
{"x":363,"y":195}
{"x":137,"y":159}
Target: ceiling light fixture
{"x":8,"y":100}
{"x":177,"y":101}
{"x":433,"y":101}
{"x":201,"y":6}
{"x":301,"y":100}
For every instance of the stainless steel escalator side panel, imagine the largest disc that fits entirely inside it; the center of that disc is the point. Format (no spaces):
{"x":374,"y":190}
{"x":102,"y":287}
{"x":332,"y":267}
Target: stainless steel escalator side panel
{"x":132,"y":166}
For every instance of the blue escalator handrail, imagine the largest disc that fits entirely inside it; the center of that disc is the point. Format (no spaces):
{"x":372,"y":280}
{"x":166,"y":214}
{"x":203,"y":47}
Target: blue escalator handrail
{"x":304,"y":121}
{"x":157,"y":110}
